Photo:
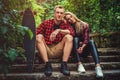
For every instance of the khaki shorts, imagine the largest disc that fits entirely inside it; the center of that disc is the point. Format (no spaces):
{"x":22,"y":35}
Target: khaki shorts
{"x":55,"y":50}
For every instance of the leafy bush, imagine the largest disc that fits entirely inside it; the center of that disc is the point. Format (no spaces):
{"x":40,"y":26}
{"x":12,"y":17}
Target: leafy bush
{"x":11,"y":34}
{"x":11,"y":31}
{"x":103,"y":16}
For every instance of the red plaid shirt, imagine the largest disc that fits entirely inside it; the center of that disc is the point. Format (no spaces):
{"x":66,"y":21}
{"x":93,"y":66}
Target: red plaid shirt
{"x":46,"y":28}
{"x":86,"y":35}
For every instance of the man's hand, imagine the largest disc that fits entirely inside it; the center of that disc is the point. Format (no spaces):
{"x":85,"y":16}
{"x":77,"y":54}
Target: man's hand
{"x":54,"y":34}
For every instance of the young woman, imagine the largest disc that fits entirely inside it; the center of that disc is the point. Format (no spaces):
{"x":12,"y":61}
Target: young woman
{"x":82,"y":44}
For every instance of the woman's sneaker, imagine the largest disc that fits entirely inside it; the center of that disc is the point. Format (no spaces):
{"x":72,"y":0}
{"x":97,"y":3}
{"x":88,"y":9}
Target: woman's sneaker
{"x":98,"y":71}
{"x":81,"y":69}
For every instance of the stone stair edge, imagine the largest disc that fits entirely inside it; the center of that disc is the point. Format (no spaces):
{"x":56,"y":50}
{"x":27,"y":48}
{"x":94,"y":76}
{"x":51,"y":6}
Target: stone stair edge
{"x":71,"y":63}
{"x":111,"y":49}
{"x":55,"y":73}
{"x":108,"y":49}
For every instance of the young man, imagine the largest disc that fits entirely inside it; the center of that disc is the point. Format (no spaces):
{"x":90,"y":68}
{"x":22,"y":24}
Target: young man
{"x":54,"y":40}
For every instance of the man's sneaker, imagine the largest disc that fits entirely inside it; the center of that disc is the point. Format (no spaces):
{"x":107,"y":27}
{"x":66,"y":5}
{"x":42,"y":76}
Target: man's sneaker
{"x":98,"y":71}
{"x":81,"y":69}
{"x":48,"y":69}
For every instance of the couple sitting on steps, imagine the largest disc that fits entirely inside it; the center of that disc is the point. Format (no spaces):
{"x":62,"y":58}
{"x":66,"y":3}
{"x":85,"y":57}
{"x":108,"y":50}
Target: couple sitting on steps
{"x":57,"y":37}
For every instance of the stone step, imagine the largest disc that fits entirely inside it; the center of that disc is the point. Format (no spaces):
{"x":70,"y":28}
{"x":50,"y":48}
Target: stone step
{"x":115,"y":58}
{"x":110,"y":63}
{"x":56,"y":67}
{"x":106,"y":54}
{"x":88,"y":66}
{"x":89,"y":75}
{"x":106,"y":51}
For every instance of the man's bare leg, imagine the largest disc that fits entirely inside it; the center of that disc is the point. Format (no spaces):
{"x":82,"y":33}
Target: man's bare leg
{"x":43,"y":52}
{"x":41,"y":47}
{"x":67,"y":43}
{"x":67,"y":47}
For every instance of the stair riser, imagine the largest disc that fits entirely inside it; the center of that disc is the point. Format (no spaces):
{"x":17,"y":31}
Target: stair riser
{"x":109,"y":58}
{"x":72,"y":77}
{"x":40,"y":68}
{"x":72,"y":60}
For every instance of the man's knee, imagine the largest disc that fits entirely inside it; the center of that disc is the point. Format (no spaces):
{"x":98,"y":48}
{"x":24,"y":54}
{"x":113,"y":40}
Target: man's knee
{"x":39,"y":38}
{"x":68,"y":37}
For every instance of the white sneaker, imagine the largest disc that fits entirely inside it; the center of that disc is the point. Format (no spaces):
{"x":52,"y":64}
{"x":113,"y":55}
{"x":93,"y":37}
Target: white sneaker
{"x":81,"y":69}
{"x":99,"y":72}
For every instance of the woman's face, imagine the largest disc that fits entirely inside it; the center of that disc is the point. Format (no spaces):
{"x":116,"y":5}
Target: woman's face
{"x":70,"y":18}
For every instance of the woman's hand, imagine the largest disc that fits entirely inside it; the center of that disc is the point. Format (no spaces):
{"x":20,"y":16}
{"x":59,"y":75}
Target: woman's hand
{"x":80,"y":50}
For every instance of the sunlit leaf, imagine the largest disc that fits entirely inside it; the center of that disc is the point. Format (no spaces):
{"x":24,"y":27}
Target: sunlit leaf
{"x":30,"y":34}
{"x":4,"y":29}
{"x":12,"y":54}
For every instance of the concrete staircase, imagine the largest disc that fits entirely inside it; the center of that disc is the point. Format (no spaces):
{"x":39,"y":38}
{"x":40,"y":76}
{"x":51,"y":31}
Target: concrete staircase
{"x":110,"y":62}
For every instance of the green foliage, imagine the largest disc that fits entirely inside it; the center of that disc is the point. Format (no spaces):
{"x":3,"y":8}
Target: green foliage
{"x":39,"y":10}
{"x":11,"y":33}
{"x":48,"y":10}
{"x":102,"y":15}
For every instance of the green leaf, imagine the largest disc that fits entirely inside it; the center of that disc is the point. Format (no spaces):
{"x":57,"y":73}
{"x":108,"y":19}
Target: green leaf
{"x":30,"y":33}
{"x":12,"y":54}
{"x":4,"y":30}
{"x":21,"y":52}
{"x":23,"y":56}
{"x":22,"y":29}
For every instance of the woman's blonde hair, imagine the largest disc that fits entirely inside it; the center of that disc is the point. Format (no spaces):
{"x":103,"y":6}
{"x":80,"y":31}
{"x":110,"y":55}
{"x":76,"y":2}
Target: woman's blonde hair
{"x":78,"y":26}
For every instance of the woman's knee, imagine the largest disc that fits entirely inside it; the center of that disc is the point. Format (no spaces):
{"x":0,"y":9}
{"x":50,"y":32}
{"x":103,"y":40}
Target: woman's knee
{"x":92,"y":43}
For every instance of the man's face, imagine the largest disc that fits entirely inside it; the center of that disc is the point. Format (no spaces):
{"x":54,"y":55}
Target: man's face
{"x":59,"y":14}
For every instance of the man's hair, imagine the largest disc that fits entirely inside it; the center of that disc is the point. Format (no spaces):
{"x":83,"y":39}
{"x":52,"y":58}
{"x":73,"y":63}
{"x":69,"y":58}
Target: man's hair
{"x":58,"y":6}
